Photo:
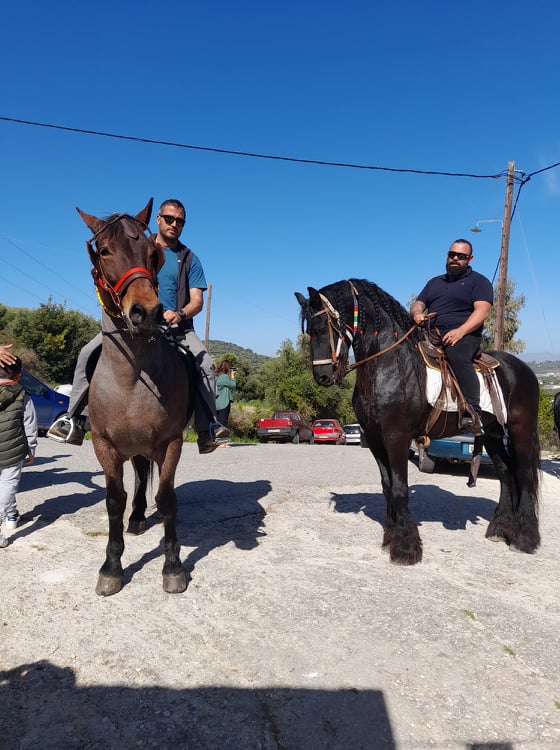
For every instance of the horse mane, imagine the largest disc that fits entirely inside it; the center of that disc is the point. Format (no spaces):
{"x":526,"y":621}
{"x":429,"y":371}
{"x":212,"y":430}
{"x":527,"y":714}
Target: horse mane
{"x":377,"y":308}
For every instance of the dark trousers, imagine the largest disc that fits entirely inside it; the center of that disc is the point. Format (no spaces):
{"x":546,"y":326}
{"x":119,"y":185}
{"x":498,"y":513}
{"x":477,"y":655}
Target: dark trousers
{"x":223,"y":415}
{"x":460,"y":358}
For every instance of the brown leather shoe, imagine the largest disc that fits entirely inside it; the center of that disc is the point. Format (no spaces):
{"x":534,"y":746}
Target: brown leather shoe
{"x":205,"y":442}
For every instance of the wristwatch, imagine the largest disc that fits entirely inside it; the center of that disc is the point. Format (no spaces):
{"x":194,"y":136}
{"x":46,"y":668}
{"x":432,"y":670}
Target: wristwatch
{"x":182,"y":314}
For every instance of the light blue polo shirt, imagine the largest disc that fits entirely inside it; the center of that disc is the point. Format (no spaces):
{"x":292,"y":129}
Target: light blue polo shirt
{"x":168,"y":278}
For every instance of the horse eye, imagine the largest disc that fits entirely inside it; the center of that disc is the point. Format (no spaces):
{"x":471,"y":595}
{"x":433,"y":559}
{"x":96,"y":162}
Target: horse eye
{"x":104,"y":252}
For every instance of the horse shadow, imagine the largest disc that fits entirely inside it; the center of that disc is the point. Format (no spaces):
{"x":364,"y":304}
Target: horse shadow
{"x":551,"y":466}
{"x":203,"y":717}
{"x":210,"y":514}
{"x":35,"y":477}
{"x":428,"y":504}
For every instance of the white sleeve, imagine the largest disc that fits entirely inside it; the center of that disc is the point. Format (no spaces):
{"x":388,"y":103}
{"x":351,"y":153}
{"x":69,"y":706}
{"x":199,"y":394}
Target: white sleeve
{"x":30,"y":425}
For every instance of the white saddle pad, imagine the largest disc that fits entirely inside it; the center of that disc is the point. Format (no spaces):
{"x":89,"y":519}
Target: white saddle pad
{"x":433,"y":388}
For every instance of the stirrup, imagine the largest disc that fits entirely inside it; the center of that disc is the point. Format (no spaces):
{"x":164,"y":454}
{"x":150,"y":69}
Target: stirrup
{"x":66,"y":430}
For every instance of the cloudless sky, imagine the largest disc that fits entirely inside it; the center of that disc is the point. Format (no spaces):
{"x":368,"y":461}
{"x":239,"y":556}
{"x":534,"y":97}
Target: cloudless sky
{"x":432,"y":86}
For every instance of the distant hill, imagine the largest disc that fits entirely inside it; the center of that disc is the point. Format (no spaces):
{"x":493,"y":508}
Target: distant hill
{"x":218,"y":348}
{"x":539,"y":357}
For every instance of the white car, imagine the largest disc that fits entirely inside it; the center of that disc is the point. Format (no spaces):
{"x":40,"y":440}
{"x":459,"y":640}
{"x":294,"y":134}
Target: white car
{"x":353,"y":434}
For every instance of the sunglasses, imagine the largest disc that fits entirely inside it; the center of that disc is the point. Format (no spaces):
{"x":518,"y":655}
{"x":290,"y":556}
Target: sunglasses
{"x":459,"y":256}
{"x":173,"y":220}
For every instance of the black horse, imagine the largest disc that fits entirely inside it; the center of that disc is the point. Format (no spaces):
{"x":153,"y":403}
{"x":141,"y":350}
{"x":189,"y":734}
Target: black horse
{"x":391,"y":406}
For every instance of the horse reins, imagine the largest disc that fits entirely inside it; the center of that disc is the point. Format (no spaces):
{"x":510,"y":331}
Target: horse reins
{"x":333,"y":315}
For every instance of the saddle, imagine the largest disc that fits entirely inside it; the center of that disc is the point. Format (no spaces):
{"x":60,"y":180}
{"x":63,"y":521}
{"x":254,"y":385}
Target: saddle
{"x":434,"y":358}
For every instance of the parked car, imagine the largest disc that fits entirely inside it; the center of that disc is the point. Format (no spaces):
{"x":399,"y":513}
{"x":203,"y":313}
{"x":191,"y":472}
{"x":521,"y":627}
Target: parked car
{"x":353,"y":434}
{"x":284,"y":427}
{"x":328,"y":431}
{"x":456,"y":449}
{"x":49,"y":404}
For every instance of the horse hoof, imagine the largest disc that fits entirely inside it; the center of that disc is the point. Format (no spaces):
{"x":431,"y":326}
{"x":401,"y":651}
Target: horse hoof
{"x":174,"y":583}
{"x":108,"y":585}
{"x":495,"y":538}
{"x":136,"y":527}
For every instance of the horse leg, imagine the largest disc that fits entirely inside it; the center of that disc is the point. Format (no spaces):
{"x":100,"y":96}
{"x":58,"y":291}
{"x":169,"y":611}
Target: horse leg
{"x":137,"y":520}
{"x":174,"y":579}
{"x":400,"y":531}
{"x":111,"y":572}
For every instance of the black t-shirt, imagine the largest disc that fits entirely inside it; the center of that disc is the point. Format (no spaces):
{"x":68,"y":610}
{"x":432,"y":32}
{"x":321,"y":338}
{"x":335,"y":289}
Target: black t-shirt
{"x":453,"y":298}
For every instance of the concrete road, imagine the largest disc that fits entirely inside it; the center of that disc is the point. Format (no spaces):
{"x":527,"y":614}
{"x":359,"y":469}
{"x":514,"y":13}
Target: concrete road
{"x":295,"y":630}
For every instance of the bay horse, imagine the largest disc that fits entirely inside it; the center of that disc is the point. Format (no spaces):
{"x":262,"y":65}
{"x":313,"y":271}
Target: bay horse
{"x":141,"y":396}
{"x":391,"y":405}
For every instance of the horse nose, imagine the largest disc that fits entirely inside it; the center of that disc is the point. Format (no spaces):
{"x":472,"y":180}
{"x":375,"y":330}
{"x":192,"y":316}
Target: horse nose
{"x":157,"y":313}
{"x":137,"y":314}
{"x":324,"y":379}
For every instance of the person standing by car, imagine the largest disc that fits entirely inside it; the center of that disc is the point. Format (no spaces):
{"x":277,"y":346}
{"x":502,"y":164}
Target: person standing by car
{"x":18,"y":441}
{"x":225,"y":385}
{"x":182,"y":284}
{"x":461,"y":300}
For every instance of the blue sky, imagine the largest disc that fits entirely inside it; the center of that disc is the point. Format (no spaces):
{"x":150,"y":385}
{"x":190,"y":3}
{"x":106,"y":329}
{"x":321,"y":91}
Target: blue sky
{"x":433,"y":86}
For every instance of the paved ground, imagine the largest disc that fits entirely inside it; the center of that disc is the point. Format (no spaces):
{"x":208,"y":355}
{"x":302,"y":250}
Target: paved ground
{"x":295,"y":630}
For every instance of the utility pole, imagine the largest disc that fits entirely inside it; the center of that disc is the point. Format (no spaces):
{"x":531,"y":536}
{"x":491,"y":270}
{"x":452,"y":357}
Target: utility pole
{"x":503,"y":275}
{"x":207,"y":330}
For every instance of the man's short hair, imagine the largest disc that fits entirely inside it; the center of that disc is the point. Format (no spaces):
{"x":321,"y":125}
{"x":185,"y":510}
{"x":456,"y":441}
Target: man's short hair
{"x":10,"y":371}
{"x":464,"y":242}
{"x":173,"y":202}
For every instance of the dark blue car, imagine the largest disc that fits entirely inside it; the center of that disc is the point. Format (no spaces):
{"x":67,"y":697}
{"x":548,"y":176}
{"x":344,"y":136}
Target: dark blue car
{"x":48,"y":404}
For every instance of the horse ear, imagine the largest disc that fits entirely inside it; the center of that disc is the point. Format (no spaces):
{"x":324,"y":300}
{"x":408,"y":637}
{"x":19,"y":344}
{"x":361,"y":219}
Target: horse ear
{"x":300,"y":298}
{"x":314,"y":298}
{"x":91,"y":221}
{"x":144,"y":216}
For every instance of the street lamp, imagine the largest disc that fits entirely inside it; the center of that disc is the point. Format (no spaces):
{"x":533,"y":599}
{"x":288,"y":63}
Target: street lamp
{"x":502,"y":278}
{"x":476,"y":228}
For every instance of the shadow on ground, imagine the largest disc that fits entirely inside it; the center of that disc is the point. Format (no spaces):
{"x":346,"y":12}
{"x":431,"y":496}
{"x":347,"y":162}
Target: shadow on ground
{"x":428,"y":504}
{"x":42,"y":706}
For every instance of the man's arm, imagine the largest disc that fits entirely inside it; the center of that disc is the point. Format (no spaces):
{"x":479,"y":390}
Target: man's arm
{"x":417,"y":310}
{"x":191,"y":309}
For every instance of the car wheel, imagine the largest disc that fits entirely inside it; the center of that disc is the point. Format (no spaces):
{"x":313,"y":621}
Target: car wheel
{"x":295,"y":439}
{"x":426,"y":463}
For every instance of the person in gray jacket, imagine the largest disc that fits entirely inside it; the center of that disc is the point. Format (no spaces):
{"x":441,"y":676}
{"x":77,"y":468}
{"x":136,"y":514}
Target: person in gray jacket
{"x":18,"y":440}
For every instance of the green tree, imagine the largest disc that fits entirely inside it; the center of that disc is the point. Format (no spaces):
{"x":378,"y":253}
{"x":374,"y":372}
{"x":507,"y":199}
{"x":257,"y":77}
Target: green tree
{"x":548,"y":438}
{"x":55,"y":334}
{"x":512,"y":323}
{"x":289,"y":384}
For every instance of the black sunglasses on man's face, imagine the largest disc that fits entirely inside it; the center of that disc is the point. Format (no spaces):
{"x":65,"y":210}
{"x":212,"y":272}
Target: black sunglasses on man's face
{"x":173,"y":219}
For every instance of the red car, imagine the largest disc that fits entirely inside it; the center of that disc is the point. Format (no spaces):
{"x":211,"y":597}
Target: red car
{"x":328,"y":431}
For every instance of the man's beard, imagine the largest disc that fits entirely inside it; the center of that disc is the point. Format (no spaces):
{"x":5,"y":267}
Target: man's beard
{"x":455,"y":271}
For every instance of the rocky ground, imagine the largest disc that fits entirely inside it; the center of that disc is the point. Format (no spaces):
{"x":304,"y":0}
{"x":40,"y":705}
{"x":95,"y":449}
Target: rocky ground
{"x":295,"y":630}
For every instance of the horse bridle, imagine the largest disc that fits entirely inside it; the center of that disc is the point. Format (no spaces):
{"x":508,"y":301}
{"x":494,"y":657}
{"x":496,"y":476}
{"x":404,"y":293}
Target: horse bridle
{"x":117,"y":291}
{"x":333,"y":322}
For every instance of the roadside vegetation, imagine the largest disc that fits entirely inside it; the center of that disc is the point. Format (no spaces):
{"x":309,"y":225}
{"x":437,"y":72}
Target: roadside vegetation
{"x":48,"y":340}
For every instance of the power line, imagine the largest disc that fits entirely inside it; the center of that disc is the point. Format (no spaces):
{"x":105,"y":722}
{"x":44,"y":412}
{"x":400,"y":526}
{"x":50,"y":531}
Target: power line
{"x":253,"y":155}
